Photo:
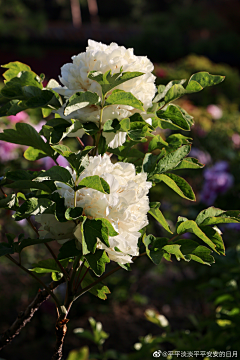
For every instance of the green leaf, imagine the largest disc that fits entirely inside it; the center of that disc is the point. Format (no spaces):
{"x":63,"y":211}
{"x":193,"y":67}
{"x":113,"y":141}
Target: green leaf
{"x":48,"y":266}
{"x":97,"y":261}
{"x":202,"y":255}
{"x":92,"y":230}
{"x":175,"y":250}
{"x":214,"y":235}
{"x":56,"y":173}
{"x":81,"y":354}
{"x":171,"y":160}
{"x":25,"y":134}
{"x":193,"y":251}
{"x":174,"y":93}
{"x":28,"y":184}
{"x":14,"y":68}
{"x":109,"y":81}
{"x":210,"y":212}
{"x":9,"y":202}
{"x":29,"y":242}
{"x":157,"y":143}
{"x":79,"y":161}
{"x":189,"y":163}
{"x":32,"y":154}
{"x":57,"y":129}
{"x":214,"y":216}
{"x":191,"y":226}
{"x":123,"y":98}
{"x":149,"y":162}
{"x":203,"y":79}
{"x":102,"y":145}
{"x":175,"y":118}
{"x":155,"y":252}
{"x":32,"y":206}
{"x":157,"y":214}
{"x":95,"y":182}
{"x":6,"y":249}
{"x":56,"y":276}
{"x":40,"y":100}
{"x":100,"y":290}
{"x":73,"y":213}
{"x":80,"y":100}
{"x":178,"y":184}
{"x":69,"y":250}
{"x":163,"y":90}
{"x":111,"y":231}
{"x":115,"y":125}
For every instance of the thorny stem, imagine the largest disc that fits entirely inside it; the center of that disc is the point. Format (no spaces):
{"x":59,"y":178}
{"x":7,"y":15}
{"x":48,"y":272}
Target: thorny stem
{"x":50,"y":250}
{"x":39,"y":280}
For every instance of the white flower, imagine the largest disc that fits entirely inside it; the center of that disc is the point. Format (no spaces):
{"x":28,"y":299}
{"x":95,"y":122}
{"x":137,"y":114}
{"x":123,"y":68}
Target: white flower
{"x":53,"y":229}
{"x":101,"y":57}
{"x":125,"y":207}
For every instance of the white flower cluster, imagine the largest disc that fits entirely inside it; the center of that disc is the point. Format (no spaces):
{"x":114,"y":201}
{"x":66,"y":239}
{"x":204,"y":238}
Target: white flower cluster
{"x":101,"y":57}
{"x":125,"y":207}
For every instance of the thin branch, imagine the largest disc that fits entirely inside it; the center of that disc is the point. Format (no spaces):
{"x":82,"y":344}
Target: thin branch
{"x":80,"y":142}
{"x":58,"y":262}
{"x":75,"y":286}
{"x":50,"y":250}
{"x":39,"y":280}
{"x":82,"y":278}
{"x":174,"y":237}
{"x":3,"y":192}
{"x":26,"y":316}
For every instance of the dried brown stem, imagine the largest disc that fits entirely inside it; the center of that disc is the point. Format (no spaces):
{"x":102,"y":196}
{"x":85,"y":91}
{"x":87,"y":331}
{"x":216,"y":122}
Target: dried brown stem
{"x":26,"y":316}
{"x":61,"y":330}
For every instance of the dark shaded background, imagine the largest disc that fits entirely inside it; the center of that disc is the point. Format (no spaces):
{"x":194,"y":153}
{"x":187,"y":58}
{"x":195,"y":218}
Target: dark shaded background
{"x":42,"y":34}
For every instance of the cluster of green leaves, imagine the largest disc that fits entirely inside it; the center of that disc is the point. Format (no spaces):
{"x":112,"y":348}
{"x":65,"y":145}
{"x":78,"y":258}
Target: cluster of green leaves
{"x":23,"y":90}
{"x":204,"y":228}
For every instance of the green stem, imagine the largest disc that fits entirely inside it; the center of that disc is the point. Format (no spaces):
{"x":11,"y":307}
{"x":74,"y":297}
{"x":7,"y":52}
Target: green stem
{"x":58,"y":305}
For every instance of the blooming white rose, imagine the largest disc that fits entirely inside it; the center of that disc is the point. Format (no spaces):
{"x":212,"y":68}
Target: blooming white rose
{"x":125,"y":207}
{"x":101,"y":57}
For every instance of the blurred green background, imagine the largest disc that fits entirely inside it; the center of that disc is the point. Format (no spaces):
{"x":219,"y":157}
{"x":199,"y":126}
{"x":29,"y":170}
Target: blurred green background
{"x":201,"y":304}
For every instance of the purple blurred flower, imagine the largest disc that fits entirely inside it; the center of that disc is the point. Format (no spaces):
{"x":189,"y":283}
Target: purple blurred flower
{"x":21,"y":116}
{"x":215,"y":111}
{"x":217,"y":181}
{"x":203,"y":156}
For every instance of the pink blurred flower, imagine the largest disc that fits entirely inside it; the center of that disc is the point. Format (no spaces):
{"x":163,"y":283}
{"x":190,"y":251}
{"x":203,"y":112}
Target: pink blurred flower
{"x":21,"y":116}
{"x":8,"y":151}
{"x":215,"y":111}
{"x":236,"y":140}
{"x":48,"y":162}
{"x":39,"y":126}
